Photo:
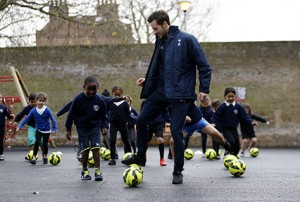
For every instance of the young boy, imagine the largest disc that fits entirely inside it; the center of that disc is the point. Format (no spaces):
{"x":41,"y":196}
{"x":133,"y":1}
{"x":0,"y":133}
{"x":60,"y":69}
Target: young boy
{"x":206,"y":110}
{"x":4,"y":112}
{"x":30,"y":123}
{"x":88,"y":111}
{"x":195,"y":122}
{"x":118,"y":117}
{"x":131,"y":124}
{"x":246,"y":134}
{"x":156,"y":127}
{"x":214,"y":105}
{"x":105,"y":95}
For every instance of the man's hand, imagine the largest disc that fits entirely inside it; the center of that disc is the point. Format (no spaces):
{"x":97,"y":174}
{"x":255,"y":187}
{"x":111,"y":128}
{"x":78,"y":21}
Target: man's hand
{"x":202,"y":96}
{"x":69,"y":135}
{"x":188,"y":119}
{"x":17,"y":129}
{"x":140,"y":81}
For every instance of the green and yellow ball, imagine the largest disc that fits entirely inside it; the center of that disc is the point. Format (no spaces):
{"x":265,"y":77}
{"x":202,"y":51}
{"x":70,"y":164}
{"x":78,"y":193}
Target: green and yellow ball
{"x":188,"y":154}
{"x":127,"y":156}
{"x":101,"y":151}
{"x":227,"y":160}
{"x":254,"y":152}
{"x":132,"y":176}
{"x":210,"y":154}
{"x":237,"y":167}
{"x":54,"y":158}
{"x":30,"y":155}
{"x":136,"y":166}
{"x":106,"y":155}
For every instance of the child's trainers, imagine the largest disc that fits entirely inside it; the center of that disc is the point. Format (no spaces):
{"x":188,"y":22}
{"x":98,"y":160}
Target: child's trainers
{"x":98,"y":175}
{"x":1,"y":158}
{"x":33,"y":162}
{"x":85,"y":175}
{"x":112,"y":162}
{"x":163,"y":162}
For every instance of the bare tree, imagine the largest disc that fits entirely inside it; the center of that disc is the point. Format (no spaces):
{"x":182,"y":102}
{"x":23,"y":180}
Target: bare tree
{"x":19,"y":19}
{"x":14,"y":29}
{"x":200,"y":18}
{"x":137,"y":11}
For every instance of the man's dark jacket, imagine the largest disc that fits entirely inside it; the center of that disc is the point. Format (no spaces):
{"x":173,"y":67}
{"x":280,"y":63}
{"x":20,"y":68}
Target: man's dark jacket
{"x":182,"y":55}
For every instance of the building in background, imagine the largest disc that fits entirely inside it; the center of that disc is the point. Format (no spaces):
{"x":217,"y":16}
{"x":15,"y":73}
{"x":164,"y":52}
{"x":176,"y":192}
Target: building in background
{"x":104,"y":28}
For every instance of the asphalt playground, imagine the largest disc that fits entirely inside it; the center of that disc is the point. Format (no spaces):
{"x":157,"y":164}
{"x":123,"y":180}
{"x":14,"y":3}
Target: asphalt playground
{"x":273,"y":176}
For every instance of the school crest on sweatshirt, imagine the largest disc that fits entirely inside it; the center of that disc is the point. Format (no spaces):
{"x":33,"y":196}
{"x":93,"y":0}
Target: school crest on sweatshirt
{"x":96,"y":107}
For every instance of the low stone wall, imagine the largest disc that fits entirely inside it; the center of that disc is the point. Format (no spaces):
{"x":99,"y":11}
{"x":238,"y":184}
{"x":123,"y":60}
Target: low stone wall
{"x":268,"y":70}
{"x":278,"y":137}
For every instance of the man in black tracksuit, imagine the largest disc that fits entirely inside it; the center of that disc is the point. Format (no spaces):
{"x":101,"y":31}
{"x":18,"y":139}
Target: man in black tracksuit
{"x":170,"y":79}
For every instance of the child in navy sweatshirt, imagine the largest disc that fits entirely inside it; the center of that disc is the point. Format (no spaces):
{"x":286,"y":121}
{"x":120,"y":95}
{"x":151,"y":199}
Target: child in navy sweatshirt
{"x":30,"y":124}
{"x":156,"y":127}
{"x":227,"y":118}
{"x":118,"y":114}
{"x":246,"y":135}
{"x":42,"y":116}
{"x":214,"y":105}
{"x":4,"y":112}
{"x":105,"y":96}
{"x":88,"y":112}
{"x":131,"y":124}
{"x":196,"y":122}
{"x":207,"y":113}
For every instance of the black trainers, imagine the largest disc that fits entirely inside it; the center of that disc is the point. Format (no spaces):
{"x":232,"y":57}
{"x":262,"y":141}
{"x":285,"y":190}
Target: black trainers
{"x":170,"y":156}
{"x":177,"y":178}
{"x":85,"y":175}
{"x":45,"y":160}
{"x":112,"y":162}
{"x":33,"y":162}
{"x":1,"y":158}
{"x":98,"y":175}
{"x":134,"y":160}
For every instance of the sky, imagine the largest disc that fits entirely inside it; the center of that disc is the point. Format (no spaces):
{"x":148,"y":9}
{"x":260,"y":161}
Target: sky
{"x":255,"y":20}
{"x":244,"y":20}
